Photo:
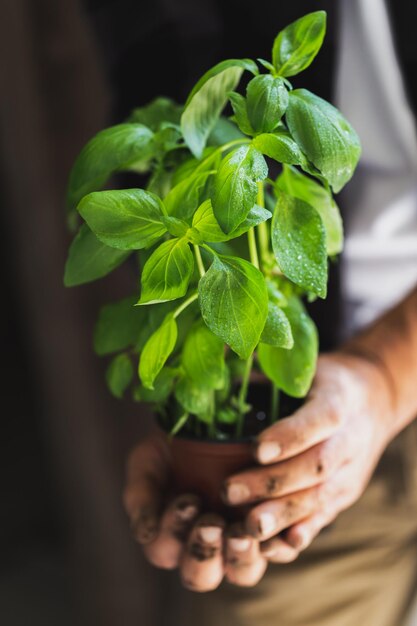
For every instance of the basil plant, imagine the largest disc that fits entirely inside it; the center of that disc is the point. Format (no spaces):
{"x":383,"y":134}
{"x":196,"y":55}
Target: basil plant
{"x":233,"y":227}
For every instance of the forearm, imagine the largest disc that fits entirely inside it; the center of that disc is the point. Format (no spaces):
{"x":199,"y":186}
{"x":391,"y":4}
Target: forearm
{"x":391,"y":344}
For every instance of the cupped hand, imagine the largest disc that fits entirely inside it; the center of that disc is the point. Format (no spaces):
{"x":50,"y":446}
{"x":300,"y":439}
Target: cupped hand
{"x":175,"y":533}
{"x":317,"y":462}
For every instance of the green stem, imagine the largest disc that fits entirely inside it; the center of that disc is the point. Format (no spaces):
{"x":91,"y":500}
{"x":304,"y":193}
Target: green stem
{"x":185,"y":304}
{"x":253,"y":252}
{"x":274,"y":403}
{"x":262,"y":228}
{"x":180,"y":423}
{"x":199,"y":260}
{"x":242,"y":396}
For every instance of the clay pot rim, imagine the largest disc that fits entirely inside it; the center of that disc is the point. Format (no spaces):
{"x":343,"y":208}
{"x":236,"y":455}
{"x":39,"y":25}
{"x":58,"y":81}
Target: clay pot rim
{"x":242,"y":441}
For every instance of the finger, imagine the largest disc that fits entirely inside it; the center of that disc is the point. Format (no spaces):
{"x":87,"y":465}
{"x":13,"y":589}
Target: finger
{"x":166,"y":548}
{"x":268,"y":518}
{"x":300,"y":535}
{"x":202,"y":561}
{"x":315,"y":422}
{"x":277,"y":550}
{"x":145,"y":483}
{"x":308,"y":469}
{"x":244,"y":564}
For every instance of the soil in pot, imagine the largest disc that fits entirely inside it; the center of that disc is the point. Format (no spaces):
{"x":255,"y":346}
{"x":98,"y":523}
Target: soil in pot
{"x":200,"y":466}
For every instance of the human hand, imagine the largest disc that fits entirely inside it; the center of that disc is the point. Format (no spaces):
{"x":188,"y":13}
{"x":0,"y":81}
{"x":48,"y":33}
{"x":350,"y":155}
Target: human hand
{"x":318,"y":461}
{"x":174,"y":533}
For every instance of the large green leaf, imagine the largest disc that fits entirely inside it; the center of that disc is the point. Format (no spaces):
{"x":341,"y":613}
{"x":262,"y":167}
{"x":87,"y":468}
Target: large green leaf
{"x":292,"y":370}
{"x":167,"y":272}
{"x":296,"y":46}
{"x":156,"y":113}
{"x":127,"y":219}
{"x":203,"y":357}
{"x":324,"y":135}
{"x":207,"y":100}
{"x":118,"y":326}
{"x":209,"y":229}
{"x":184,"y":198}
{"x":235,"y":187}
{"x":277,"y":329}
{"x":238,"y":103}
{"x":157,"y":350}
{"x":280,"y":147}
{"x":195,"y":399}
{"x":119,"y":374}
{"x":112,"y":149}
{"x":266,"y":102}
{"x":234,"y":303}
{"x":162,"y":387}
{"x":299,"y":243}
{"x":297,"y":184}
{"x":89,"y":259}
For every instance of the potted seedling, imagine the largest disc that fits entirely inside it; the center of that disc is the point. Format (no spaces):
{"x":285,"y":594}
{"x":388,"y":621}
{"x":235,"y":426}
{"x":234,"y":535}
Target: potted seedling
{"x":233,"y":227}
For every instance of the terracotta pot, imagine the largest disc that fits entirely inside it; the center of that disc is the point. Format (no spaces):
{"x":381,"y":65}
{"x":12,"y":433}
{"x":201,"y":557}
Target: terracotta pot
{"x":201,"y":467}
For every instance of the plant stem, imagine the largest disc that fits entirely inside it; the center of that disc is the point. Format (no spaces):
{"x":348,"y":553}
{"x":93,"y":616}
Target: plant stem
{"x":253,"y":252}
{"x":185,"y":304}
{"x":242,"y":396}
{"x":199,"y":260}
{"x":181,"y":421}
{"x":274,"y":403}
{"x":262,"y":228}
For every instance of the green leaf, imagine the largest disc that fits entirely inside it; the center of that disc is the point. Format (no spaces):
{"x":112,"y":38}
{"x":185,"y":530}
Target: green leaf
{"x":118,"y":326}
{"x":159,"y":111}
{"x":243,"y":64}
{"x":223,"y":131}
{"x":119,"y":375}
{"x":162,"y":387}
{"x":127,"y":219}
{"x":210,"y":161}
{"x":112,"y":149}
{"x":238,"y":103}
{"x":292,"y":370}
{"x":167,"y":272}
{"x":299,"y":244}
{"x":277,"y":329}
{"x":89,"y":259}
{"x":195,"y":399}
{"x":175,"y":227}
{"x":300,"y":186}
{"x":209,"y":229}
{"x":266,"y":102}
{"x":235,"y":187}
{"x":207,"y":100}
{"x":296,"y":46}
{"x":280,"y":147}
{"x":184,"y":198}
{"x":234,"y":303}
{"x":157,"y":350}
{"x":227,"y":415}
{"x":203,"y":357}
{"x":324,"y":135}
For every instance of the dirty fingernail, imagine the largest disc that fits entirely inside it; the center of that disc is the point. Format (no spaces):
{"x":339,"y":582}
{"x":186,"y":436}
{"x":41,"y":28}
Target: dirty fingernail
{"x":237,"y":493}
{"x":187,"y":512}
{"x":239,"y":544}
{"x":210,"y":534}
{"x":268,"y":451}
{"x":266,"y":523}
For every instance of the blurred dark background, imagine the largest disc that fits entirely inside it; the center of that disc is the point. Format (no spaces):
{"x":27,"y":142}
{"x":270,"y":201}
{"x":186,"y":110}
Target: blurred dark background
{"x":68,"y":68}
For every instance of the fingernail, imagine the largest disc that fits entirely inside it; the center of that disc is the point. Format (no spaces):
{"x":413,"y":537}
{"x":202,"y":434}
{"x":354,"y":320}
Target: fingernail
{"x":237,"y":493}
{"x":144,"y":528}
{"x":210,"y":534}
{"x":298,"y":540}
{"x":266,"y":523}
{"x":268,"y":451}
{"x":239,"y":544}
{"x":187,"y":512}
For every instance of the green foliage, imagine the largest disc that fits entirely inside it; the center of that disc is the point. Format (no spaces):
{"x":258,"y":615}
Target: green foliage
{"x":89,"y":259}
{"x":292,"y":370}
{"x":235,"y":187}
{"x":324,"y":135}
{"x":119,"y":375}
{"x":234,"y":303}
{"x":296,"y":46}
{"x":210,"y":204}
